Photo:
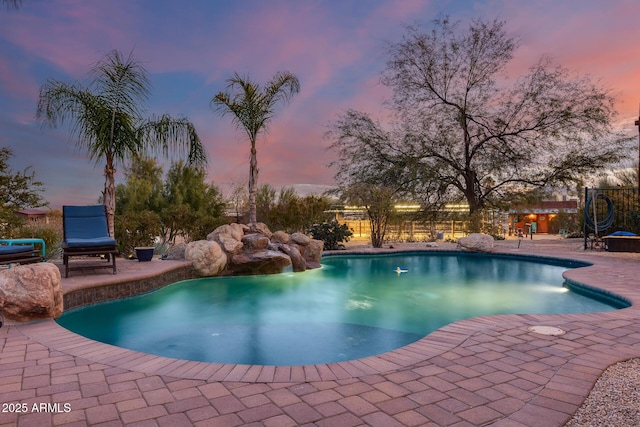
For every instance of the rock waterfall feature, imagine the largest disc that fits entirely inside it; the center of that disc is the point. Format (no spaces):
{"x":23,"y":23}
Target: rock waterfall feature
{"x":233,"y":249}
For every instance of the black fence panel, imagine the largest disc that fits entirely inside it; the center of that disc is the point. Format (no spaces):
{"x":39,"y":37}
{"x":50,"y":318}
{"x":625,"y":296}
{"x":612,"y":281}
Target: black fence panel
{"x":607,"y":210}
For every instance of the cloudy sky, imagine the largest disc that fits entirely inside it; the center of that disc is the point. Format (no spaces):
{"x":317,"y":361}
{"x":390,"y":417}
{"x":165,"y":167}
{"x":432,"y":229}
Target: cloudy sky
{"x":336,"y":48}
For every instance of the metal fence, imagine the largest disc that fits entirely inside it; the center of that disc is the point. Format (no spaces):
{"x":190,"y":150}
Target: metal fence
{"x":411,"y":231}
{"x":607,"y":210}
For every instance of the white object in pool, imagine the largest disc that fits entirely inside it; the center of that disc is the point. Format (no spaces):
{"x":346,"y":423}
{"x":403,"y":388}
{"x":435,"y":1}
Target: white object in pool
{"x":400,"y":270}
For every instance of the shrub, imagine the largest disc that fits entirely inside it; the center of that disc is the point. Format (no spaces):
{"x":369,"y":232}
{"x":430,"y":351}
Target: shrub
{"x":633,"y":223}
{"x":204,"y":225}
{"x":332,"y":233}
{"x":136,"y":229}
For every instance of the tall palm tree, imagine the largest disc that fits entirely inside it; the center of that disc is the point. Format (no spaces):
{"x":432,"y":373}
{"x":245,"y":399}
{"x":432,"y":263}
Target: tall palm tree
{"x":252,"y":108}
{"x":107,"y":119}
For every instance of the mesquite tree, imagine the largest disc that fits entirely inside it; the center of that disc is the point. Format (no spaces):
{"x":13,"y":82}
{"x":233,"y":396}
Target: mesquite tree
{"x":462,"y":129}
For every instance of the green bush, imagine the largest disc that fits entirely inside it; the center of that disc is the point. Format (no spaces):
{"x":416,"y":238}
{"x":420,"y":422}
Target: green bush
{"x":52,"y":238}
{"x":332,"y":233}
{"x":136,"y":229}
{"x":204,"y":225}
{"x":633,"y":223}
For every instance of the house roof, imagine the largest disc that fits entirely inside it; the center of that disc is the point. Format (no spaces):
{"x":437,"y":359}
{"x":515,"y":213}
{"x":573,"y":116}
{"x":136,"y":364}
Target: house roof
{"x":31,"y":212}
{"x":548,"y":207}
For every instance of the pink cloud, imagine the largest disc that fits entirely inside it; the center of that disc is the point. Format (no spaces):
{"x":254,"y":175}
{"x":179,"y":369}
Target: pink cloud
{"x":83,"y":32}
{"x":337,"y":54}
{"x":599,"y":40}
{"x":15,"y":78}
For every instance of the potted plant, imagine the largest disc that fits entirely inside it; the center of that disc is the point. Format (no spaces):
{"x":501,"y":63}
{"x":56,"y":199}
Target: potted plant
{"x":144,"y":253}
{"x":136,"y":231}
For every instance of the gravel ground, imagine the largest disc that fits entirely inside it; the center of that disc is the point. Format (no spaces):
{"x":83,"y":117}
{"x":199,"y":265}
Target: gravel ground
{"x":614,"y":400}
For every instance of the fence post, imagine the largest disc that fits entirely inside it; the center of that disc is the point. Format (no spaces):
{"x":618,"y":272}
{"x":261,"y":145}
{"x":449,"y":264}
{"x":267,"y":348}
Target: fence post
{"x":584,"y":219}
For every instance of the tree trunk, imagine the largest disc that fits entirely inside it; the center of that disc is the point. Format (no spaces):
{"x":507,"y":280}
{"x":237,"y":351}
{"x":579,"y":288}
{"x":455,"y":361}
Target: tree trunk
{"x":378,"y":228}
{"x":475,"y":214}
{"x":377,"y":238}
{"x":109,"y":195}
{"x":475,"y":204}
{"x":253,"y":180}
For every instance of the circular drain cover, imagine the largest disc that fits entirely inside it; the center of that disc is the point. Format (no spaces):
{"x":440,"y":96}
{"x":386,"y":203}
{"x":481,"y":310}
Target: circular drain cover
{"x":547,"y":330}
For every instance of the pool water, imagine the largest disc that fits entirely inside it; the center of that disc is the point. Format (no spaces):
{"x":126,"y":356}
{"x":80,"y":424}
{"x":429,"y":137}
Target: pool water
{"x":355,"y":306}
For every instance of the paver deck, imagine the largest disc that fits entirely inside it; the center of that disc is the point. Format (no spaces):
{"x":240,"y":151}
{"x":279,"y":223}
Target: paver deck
{"x":489,"y":370}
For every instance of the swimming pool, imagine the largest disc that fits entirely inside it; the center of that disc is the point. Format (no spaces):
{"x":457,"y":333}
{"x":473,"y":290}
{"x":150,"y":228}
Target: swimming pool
{"x":355,"y":306}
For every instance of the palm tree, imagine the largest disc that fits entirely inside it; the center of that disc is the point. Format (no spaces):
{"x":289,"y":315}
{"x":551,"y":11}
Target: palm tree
{"x":106,"y":118}
{"x":252,"y":108}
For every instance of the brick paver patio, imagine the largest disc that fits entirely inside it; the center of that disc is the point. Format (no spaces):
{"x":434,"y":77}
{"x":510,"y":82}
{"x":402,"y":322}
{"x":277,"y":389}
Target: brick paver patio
{"x":482,"y":371}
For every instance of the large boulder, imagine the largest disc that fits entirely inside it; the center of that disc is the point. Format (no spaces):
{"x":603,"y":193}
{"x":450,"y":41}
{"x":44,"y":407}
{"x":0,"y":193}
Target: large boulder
{"x":207,"y":257}
{"x":297,"y":260}
{"x":262,"y":228}
{"x":300,"y":239}
{"x":228,"y":242}
{"x":255,"y":242}
{"x":29,"y":292}
{"x":280,"y":237}
{"x":312,"y":253}
{"x":476,"y":242}
{"x":258,"y":262}
{"x":234,"y":230}
{"x":229,"y":236}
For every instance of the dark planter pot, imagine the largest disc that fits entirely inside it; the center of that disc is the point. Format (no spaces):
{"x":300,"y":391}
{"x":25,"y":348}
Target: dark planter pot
{"x":144,"y":254}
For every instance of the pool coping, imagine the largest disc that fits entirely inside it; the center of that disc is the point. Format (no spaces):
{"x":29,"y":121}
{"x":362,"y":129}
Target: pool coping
{"x":445,"y":339}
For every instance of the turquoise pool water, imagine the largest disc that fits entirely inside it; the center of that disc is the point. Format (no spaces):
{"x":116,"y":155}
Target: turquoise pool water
{"x":355,"y":306}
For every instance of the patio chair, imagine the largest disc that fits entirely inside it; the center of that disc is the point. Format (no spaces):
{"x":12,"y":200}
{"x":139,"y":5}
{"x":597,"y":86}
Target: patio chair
{"x":86,"y":234}
{"x":19,"y":254}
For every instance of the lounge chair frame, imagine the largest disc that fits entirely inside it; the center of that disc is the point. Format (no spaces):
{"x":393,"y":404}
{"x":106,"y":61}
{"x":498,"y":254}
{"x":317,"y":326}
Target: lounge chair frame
{"x":109,"y":251}
{"x":22,"y":257}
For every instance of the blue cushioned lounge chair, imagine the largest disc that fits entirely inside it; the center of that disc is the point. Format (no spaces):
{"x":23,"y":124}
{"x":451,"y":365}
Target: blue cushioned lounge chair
{"x":19,"y":254}
{"x":85,"y":234}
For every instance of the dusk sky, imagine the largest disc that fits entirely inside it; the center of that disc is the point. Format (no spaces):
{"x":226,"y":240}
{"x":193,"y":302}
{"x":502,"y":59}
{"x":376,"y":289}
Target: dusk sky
{"x":337,"y":48}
